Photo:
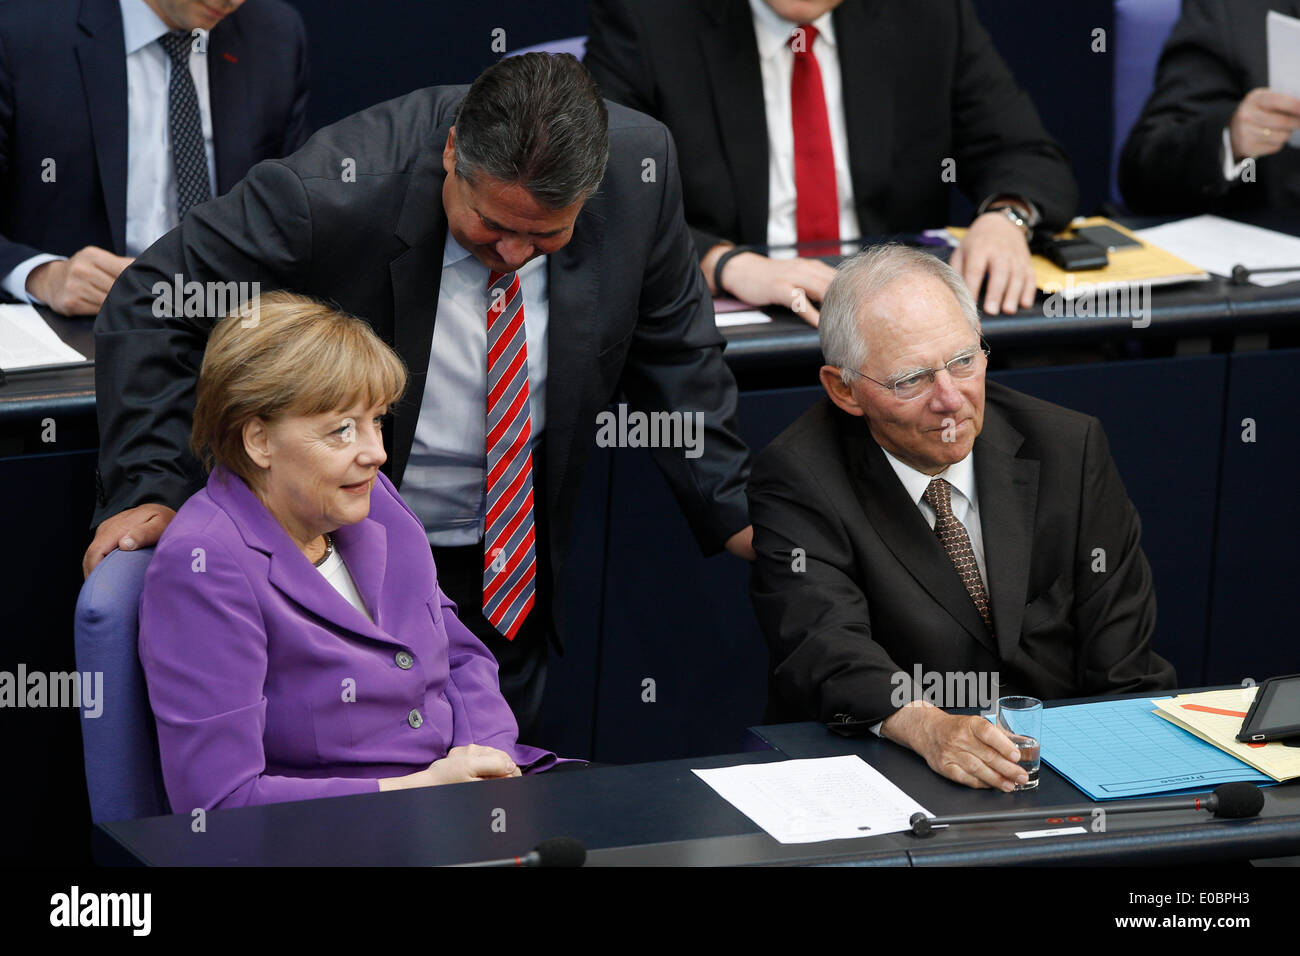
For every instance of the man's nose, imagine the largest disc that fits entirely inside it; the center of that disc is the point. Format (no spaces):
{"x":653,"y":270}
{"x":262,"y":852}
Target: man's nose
{"x":514,"y":252}
{"x":946,"y":396}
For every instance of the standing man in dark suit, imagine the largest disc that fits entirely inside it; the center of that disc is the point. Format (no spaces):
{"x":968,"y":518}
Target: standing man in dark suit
{"x":432,"y":216}
{"x":815,"y":119}
{"x":89,"y":100}
{"x":905,"y":525}
{"x":1212,"y":136}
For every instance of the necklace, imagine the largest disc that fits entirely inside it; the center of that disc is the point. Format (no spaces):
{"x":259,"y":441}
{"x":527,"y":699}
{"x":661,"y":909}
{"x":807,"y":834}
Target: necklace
{"x":329,"y":549}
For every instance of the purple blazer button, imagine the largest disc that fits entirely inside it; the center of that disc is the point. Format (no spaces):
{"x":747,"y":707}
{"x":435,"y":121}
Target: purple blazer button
{"x":414,"y":718}
{"x":404,"y":660}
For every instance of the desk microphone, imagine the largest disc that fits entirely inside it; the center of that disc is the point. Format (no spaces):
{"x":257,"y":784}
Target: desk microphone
{"x":1241,"y":275}
{"x":558,"y":851}
{"x":1229,"y":801}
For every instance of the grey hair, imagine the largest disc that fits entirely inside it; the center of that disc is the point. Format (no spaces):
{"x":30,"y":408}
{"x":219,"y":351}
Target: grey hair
{"x":536,"y":120}
{"x":862,"y":277}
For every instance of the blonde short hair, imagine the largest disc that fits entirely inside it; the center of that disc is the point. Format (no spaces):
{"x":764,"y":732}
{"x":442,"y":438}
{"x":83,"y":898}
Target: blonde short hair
{"x":285,"y":354}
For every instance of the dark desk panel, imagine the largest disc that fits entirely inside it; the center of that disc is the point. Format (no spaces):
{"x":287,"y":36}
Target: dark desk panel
{"x":1191,"y":309}
{"x":1256,"y":601}
{"x":605,"y":807}
{"x":662,"y":814}
{"x":1149,"y":839}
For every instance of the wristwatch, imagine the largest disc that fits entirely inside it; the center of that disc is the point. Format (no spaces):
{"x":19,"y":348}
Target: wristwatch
{"x":1022,"y":214}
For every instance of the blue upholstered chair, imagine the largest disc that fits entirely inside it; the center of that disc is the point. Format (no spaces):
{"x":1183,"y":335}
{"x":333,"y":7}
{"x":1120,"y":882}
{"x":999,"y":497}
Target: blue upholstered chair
{"x":123,"y":775}
{"x":1141,"y":29}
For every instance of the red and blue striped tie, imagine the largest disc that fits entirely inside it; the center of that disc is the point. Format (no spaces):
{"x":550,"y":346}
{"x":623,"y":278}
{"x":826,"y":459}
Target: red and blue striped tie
{"x":509,"y":557}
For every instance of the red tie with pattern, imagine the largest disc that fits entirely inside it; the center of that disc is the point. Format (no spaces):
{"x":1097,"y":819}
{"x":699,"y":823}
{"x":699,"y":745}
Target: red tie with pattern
{"x":952,"y":535}
{"x":509,"y":558}
{"x":817,"y":213}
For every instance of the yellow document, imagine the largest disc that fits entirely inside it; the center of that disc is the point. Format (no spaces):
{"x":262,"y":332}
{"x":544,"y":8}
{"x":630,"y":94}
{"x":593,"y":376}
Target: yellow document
{"x":1143,"y":264}
{"x":1215,"y":716}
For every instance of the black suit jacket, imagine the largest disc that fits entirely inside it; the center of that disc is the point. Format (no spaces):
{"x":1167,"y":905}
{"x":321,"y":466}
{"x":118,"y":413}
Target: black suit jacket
{"x":1172,"y":162}
{"x":63,"y":96}
{"x":879,"y":595}
{"x":921,"y":83}
{"x":628,"y":307}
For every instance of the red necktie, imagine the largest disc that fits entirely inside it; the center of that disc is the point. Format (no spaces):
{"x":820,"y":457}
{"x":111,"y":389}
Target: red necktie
{"x":817,"y":212}
{"x":509,"y":559}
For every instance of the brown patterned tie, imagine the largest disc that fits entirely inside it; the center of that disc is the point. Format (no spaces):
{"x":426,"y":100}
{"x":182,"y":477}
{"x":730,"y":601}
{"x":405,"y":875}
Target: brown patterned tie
{"x":952,"y":535}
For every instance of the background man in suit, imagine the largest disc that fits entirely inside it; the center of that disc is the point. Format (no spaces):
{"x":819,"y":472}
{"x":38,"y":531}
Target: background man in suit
{"x":905,"y":522}
{"x":853,"y":128}
{"x":412,"y":215}
{"x":88,"y":101}
{"x":1210,"y":112}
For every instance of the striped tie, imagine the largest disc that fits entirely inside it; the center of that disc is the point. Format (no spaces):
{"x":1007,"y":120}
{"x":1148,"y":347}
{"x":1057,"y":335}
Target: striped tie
{"x":509,"y":558}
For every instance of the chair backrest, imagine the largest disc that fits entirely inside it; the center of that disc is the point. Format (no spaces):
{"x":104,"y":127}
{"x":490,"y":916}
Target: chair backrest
{"x":123,"y":773}
{"x":575,"y":45}
{"x":1141,"y":29}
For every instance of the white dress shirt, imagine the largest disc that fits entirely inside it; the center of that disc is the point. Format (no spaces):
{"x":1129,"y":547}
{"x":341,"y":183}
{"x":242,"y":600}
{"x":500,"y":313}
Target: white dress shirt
{"x":150,"y":178}
{"x":1231,"y":170}
{"x":444,"y":482}
{"x":964,"y":500}
{"x":777,"y":62}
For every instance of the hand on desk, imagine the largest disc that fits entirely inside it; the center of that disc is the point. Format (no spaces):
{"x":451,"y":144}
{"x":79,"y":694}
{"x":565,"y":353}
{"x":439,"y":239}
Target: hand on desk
{"x":138,"y":527}
{"x":79,"y":285}
{"x":969,"y":750}
{"x":1262,"y":123}
{"x":994,"y":247}
{"x":797,"y":284}
{"x":461,"y":765}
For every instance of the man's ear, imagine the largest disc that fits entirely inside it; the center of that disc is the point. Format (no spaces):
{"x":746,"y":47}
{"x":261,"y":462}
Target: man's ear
{"x":839,"y":393}
{"x":449,"y":153}
{"x":257,"y":442}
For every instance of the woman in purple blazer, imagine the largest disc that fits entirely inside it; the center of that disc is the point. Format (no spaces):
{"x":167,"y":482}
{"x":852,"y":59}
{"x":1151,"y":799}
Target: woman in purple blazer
{"x":293,"y":636}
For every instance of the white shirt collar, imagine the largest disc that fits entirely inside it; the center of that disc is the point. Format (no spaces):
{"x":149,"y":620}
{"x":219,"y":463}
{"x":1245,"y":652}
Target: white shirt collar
{"x":140,"y":25}
{"x":960,"y":475}
{"x":452,"y":251}
{"x":773,"y":32}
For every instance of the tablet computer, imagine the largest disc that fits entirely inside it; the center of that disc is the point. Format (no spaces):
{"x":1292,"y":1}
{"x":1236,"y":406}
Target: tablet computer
{"x":1275,"y":713}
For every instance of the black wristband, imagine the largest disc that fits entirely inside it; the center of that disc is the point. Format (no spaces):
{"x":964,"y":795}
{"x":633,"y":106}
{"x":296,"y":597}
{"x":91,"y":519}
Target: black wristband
{"x":722,"y":261}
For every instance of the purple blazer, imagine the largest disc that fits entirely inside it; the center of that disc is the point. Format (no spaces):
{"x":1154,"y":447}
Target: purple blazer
{"x":267,"y":685}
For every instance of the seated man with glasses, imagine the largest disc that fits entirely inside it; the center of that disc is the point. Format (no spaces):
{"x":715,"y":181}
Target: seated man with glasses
{"x":926,"y":537}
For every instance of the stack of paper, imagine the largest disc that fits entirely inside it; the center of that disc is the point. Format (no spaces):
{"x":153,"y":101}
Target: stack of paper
{"x":26,"y":341}
{"x":1215,"y":716}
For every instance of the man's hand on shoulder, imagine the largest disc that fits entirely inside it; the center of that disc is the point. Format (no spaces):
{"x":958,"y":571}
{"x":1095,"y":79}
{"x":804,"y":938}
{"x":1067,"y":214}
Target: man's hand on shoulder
{"x":967,"y":749}
{"x":996,"y":247}
{"x":138,"y":527}
{"x":79,"y":285}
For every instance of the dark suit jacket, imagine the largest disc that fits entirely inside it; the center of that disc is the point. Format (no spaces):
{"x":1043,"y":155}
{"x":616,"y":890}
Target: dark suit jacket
{"x":1172,"y":162}
{"x":921,"y":83}
{"x":879,"y":595}
{"x":63,"y":97}
{"x":629,"y":309}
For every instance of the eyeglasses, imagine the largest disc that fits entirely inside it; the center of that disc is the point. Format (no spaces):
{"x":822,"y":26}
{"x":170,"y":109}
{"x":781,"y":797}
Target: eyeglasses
{"x":915,"y":384}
